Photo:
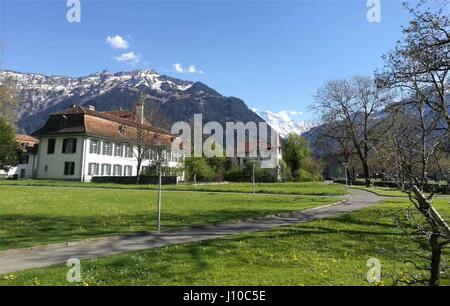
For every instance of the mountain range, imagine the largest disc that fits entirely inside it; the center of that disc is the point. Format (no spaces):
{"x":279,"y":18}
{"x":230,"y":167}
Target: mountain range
{"x":167,"y":100}
{"x":283,"y":122}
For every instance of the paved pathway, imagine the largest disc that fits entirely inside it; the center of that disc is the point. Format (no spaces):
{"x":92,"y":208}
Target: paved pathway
{"x":16,"y":260}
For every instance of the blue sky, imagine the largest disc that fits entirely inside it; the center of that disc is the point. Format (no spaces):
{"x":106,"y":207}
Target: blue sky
{"x":272,"y":54}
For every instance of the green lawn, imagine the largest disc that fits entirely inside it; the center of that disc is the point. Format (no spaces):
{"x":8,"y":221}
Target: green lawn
{"x":42,"y":215}
{"x":302,"y":188}
{"x":325,"y":252}
{"x":387,"y":192}
{"x":383,"y":191}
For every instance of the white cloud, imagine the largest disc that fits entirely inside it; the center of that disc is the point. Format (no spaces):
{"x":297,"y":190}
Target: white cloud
{"x":117,"y":42}
{"x":129,"y":57}
{"x":178,"y":68}
{"x":190,"y":69}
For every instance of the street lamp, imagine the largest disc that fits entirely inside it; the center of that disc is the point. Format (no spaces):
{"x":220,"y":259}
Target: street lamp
{"x":159,"y":163}
{"x":253,"y":175}
{"x":158,"y":223}
{"x":254,"y":183}
{"x":346,"y":174}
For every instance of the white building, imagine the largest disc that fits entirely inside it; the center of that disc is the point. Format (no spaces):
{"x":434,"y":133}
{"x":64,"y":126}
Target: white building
{"x":26,"y":158}
{"x":250,"y":151}
{"x":79,"y":143}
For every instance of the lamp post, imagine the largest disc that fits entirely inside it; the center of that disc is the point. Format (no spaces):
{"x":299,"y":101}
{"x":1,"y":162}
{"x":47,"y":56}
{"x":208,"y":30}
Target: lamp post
{"x":159,"y":161}
{"x":254,"y":183}
{"x":346,"y":175}
{"x":254,"y":175}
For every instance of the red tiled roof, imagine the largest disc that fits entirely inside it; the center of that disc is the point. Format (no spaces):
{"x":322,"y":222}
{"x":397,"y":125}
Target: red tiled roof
{"x":26,"y":139}
{"x":115,"y":125}
{"x":27,"y":143}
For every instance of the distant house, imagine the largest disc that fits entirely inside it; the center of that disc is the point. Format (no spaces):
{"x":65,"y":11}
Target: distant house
{"x":80,"y":143}
{"x":250,"y":151}
{"x":26,"y":157}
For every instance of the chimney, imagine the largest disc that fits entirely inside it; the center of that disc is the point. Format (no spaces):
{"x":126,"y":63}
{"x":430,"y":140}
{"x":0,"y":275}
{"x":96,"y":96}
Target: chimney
{"x":139,"y":111}
{"x":91,"y":107}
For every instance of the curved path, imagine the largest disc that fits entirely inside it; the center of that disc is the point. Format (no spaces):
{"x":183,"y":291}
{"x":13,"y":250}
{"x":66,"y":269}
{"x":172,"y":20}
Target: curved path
{"x":21,"y":259}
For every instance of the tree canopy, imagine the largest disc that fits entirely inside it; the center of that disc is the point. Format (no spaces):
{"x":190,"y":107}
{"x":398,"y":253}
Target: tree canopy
{"x":8,"y":145}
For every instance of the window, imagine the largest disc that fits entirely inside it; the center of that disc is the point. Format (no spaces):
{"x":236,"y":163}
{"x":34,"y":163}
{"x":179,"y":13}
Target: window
{"x":69,"y":168}
{"x":146,"y":154}
{"x":117,"y":170}
{"x":51,"y":146}
{"x":69,"y":145}
{"x":106,"y":169}
{"x":24,"y":159}
{"x":94,"y":147}
{"x":128,"y":170}
{"x":118,"y":150}
{"x":107,"y":148}
{"x":129,"y":152}
{"x":93,"y":169}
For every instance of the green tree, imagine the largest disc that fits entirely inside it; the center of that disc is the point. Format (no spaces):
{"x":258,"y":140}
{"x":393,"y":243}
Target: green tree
{"x":295,"y":149}
{"x":198,"y":169}
{"x":218,"y":165}
{"x":8,"y":145}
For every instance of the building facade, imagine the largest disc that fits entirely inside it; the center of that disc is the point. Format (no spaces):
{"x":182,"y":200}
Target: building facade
{"x":26,"y":158}
{"x":80,"y":143}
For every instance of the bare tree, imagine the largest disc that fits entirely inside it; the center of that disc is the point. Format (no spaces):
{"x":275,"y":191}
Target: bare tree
{"x":333,"y":145}
{"x":418,"y":140}
{"x":349,"y":112}
{"x":144,"y":141}
{"x":420,"y":62}
{"x":411,"y":146}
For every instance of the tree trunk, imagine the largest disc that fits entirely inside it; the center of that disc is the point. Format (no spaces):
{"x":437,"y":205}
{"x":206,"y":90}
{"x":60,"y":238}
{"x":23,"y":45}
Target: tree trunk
{"x":366,"y":172}
{"x":433,"y":217}
{"x":435,"y":260}
{"x":138,"y":173}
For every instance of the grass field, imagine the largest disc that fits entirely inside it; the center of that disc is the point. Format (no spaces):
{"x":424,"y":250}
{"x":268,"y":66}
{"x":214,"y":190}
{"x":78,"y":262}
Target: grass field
{"x":388,"y":192}
{"x":383,"y":191}
{"x":42,"y":215}
{"x":325,"y":252}
{"x":303,"y":188}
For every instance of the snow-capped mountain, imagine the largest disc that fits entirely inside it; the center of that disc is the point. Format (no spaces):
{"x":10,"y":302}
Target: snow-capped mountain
{"x":283,"y":123}
{"x":40,"y":91}
{"x":167,"y":100}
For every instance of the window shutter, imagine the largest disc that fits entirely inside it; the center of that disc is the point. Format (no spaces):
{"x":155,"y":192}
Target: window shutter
{"x":64,"y":146}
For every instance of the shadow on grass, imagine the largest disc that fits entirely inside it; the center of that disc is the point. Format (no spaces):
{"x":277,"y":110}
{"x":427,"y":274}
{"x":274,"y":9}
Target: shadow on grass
{"x":20,"y":231}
